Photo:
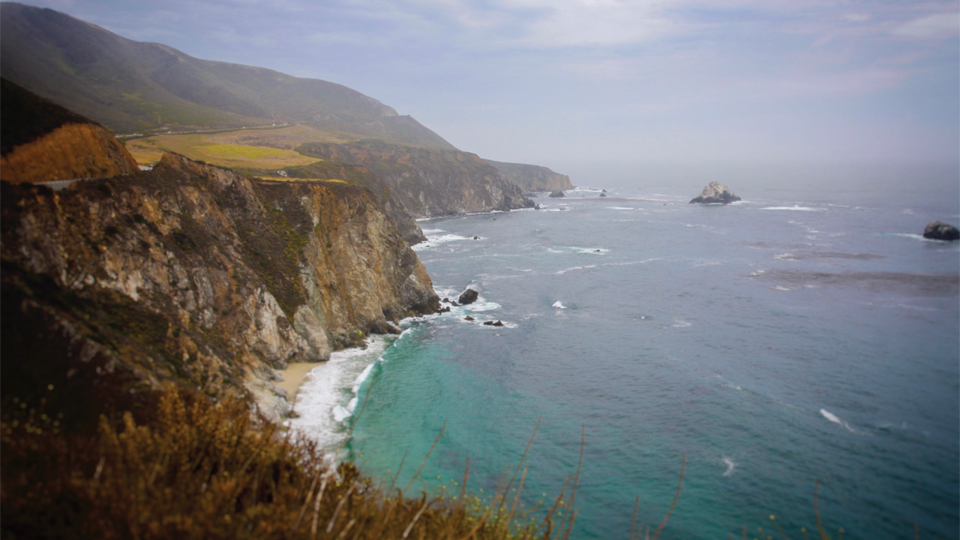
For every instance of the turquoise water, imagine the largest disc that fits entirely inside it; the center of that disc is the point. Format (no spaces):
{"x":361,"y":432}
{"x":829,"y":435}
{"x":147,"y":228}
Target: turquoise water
{"x":799,"y":335}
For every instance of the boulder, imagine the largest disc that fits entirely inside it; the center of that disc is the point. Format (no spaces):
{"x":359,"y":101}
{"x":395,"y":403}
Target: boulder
{"x":491,"y":323}
{"x":556,"y":194}
{"x":469,"y":318}
{"x":941,"y":231}
{"x":715,"y":193}
{"x":468,"y":296}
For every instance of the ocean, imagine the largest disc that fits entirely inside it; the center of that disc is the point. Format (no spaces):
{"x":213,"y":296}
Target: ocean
{"x":808,"y":333}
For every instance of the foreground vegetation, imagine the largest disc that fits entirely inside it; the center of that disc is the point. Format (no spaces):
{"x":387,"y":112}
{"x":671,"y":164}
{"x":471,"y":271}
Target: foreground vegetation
{"x":195,"y":469}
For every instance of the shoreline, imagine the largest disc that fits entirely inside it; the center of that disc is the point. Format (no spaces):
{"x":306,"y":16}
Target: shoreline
{"x":294,"y":377}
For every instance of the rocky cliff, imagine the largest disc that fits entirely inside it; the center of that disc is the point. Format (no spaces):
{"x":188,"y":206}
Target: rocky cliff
{"x":197,"y":274}
{"x":532,"y":177}
{"x":426,"y":182}
{"x":43,"y":141}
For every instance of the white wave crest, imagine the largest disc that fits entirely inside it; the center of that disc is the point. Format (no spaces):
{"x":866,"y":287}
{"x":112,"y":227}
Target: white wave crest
{"x":439,"y":240}
{"x":836,"y":420}
{"x":574,"y":268}
{"x":328,"y":396}
{"x":730,"y":466}
{"x":558,"y":305}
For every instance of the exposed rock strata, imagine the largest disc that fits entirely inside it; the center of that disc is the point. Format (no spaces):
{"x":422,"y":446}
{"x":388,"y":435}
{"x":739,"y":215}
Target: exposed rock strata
{"x":198,"y":274}
{"x":715,"y":193}
{"x":532,"y":177}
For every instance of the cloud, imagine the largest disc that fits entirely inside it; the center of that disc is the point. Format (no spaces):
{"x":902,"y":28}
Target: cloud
{"x":856,"y":17}
{"x":941,"y":25}
{"x":565,"y":23}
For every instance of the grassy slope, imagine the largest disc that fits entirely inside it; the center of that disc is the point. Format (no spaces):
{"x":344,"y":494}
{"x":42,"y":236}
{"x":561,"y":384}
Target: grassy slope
{"x":27,"y":117}
{"x":132,"y":86}
{"x":187,"y":468}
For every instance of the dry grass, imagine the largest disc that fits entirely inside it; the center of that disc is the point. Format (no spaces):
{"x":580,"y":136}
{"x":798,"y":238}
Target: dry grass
{"x":264,"y":148}
{"x":200,"y":147}
{"x":203,"y":470}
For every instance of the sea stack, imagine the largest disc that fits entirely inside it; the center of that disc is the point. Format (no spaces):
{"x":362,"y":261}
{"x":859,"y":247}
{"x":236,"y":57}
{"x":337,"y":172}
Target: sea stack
{"x":468,"y":296}
{"x":941,"y":231}
{"x":715,"y":193}
{"x":557,"y":193}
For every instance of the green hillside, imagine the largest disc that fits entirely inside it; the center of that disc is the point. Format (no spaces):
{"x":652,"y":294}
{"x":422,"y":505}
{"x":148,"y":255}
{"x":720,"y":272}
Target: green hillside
{"x":132,"y":86}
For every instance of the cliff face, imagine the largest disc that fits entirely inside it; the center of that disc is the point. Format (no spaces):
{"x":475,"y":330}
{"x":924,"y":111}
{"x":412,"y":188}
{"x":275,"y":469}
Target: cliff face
{"x":195,"y":273}
{"x":532,"y":177}
{"x":428,"y":182}
{"x":70,"y":151}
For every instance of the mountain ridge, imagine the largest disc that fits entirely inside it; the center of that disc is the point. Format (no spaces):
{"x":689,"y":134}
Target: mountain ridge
{"x":128,"y":85}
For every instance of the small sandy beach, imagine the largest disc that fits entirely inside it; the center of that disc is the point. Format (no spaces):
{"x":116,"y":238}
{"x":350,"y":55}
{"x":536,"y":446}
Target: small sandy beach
{"x":294,"y":376}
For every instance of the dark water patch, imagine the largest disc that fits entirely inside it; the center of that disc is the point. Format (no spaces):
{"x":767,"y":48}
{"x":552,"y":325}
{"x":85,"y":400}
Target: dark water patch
{"x":875,"y":282}
{"x":815,"y":255}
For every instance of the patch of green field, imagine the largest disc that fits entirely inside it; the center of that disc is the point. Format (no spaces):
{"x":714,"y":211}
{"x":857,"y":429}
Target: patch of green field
{"x":206,"y":147}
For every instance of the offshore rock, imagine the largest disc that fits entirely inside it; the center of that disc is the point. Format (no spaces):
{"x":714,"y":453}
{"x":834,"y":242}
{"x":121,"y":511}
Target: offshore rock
{"x":198,"y":275}
{"x":557,"y":193}
{"x":938,"y":230}
{"x":468,"y":296}
{"x":715,"y":193}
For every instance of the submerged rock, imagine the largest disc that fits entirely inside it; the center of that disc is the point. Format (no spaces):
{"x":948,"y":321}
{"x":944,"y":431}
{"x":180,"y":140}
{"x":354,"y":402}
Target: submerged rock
{"x":557,"y":194}
{"x":468,"y":296}
{"x":491,"y":323}
{"x":715,"y":193}
{"x":938,"y":230}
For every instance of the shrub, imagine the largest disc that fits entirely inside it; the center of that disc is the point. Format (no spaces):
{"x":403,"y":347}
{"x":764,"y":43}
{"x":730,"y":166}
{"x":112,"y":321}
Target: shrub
{"x":203,"y":470}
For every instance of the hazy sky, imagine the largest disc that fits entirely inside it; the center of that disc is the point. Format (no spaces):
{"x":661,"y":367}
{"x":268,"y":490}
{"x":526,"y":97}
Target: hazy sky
{"x":563,"y":81}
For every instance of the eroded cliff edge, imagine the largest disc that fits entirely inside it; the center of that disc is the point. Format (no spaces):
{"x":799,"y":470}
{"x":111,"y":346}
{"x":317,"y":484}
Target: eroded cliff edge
{"x":198,"y":274}
{"x":422,"y":182}
{"x":532,"y":177}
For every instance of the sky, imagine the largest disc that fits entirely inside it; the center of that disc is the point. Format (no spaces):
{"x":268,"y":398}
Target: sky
{"x":563,"y":82}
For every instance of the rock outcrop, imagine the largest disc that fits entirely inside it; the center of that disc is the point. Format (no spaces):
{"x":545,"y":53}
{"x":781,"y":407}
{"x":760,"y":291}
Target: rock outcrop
{"x":199,"y":275}
{"x":715,"y":193}
{"x":938,"y":230}
{"x":532,"y":177}
{"x":557,"y":194}
{"x":468,"y":296}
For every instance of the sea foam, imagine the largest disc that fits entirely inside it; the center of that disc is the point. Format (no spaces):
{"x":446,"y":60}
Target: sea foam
{"x":836,"y":420}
